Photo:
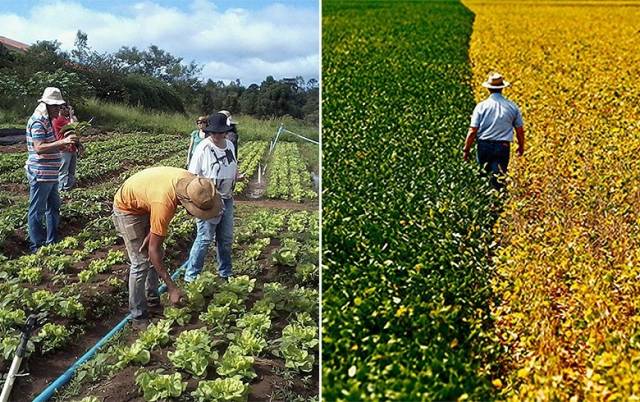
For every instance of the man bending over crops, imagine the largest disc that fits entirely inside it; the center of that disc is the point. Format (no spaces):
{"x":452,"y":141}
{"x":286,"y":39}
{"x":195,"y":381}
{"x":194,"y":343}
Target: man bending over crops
{"x":492,"y":122}
{"x":42,"y":167}
{"x":142,"y":210}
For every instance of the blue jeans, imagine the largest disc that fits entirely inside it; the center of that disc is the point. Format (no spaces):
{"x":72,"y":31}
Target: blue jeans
{"x":493,"y":156}
{"x":220,"y":229}
{"x":44,"y":204}
{"x":67,"y":175}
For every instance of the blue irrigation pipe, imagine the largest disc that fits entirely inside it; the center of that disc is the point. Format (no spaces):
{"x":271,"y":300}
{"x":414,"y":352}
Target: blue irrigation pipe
{"x":68,"y":375}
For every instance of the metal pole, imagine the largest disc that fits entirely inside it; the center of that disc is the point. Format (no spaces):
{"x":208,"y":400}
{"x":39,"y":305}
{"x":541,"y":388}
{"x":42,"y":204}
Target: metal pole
{"x":259,"y":173}
{"x":28,"y":328}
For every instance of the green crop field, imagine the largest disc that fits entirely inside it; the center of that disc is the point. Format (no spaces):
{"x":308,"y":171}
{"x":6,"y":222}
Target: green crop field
{"x":406,"y":223}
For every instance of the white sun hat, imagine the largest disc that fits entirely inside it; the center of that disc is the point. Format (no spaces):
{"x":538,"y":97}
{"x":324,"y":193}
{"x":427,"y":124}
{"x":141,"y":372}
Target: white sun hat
{"x":52,"y":96}
{"x":495,"y":81}
{"x":228,"y":114}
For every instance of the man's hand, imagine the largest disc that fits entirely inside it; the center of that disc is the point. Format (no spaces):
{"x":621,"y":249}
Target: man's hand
{"x":520,"y":150}
{"x":175,"y":295}
{"x":465,"y":154}
{"x":71,"y":139}
{"x":241,"y":177}
{"x":145,"y":243}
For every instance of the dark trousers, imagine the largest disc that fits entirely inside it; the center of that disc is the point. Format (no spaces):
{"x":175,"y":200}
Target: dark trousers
{"x":493,"y":156}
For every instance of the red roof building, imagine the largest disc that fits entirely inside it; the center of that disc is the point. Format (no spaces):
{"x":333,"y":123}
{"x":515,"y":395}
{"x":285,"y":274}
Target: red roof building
{"x":13,"y":44}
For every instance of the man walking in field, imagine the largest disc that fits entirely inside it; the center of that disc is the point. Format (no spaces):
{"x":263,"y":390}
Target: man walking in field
{"x":492,"y":122}
{"x":142,"y":210}
{"x":42,"y":168}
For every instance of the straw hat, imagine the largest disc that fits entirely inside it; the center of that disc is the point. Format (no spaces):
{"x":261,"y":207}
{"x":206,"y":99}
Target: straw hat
{"x":199,"y":196}
{"x":495,"y":81}
{"x":52,"y":96}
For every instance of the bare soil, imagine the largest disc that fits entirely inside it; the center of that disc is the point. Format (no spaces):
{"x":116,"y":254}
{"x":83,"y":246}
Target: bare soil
{"x":267,"y":386}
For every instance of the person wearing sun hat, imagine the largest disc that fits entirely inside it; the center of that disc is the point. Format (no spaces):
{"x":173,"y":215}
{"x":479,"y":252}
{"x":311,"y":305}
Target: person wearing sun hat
{"x":492,"y":123}
{"x":232,"y":135}
{"x":42,"y":169}
{"x":215,"y":160}
{"x":143,"y":207}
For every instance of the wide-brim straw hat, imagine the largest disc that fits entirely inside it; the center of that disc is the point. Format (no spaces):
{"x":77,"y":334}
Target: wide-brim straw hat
{"x":199,"y":196}
{"x":495,"y":81}
{"x":52,"y":96}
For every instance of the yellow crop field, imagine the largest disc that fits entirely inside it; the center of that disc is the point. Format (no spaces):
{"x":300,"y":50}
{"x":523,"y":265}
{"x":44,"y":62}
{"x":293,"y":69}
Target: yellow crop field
{"x":568,"y":268}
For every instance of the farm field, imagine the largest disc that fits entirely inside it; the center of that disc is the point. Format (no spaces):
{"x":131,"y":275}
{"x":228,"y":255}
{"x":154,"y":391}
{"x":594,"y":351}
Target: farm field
{"x":407,"y":226}
{"x":567,"y":268}
{"x":81,"y":282}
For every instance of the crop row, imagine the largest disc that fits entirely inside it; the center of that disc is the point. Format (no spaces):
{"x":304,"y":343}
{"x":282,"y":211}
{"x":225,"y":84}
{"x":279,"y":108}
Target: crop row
{"x":287,"y":175}
{"x":250,"y":156}
{"x":567,"y":270}
{"x":406,"y":223}
{"x":211,"y":348}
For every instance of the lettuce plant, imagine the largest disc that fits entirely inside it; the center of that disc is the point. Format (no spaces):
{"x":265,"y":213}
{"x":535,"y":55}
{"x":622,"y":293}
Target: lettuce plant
{"x":240,"y":285}
{"x":251,"y":343}
{"x":157,"y":387}
{"x":156,"y":334}
{"x":194,"y":351}
{"x":297,"y":358}
{"x":255,"y":322}
{"x":180,"y":316}
{"x":229,"y":299}
{"x":222,"y":389}
{"x":234,"y":362}
{"x":217,"y":317}
{"x":136,"y":353}
{"x":52,"y":336}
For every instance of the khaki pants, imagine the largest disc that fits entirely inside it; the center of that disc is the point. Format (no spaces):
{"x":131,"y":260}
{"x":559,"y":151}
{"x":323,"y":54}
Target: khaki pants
{"x":142,"y":276}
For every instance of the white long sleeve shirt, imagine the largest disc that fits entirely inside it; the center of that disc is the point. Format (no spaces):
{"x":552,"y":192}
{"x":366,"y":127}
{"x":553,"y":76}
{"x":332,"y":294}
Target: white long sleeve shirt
{"x":217,"y":164}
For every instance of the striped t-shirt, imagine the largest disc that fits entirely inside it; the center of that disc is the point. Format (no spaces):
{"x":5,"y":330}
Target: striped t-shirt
{"x":43,"y":166}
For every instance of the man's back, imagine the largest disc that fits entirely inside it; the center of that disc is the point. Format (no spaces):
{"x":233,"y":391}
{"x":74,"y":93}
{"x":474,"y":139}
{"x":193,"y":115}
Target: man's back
{"x":495,"y":118}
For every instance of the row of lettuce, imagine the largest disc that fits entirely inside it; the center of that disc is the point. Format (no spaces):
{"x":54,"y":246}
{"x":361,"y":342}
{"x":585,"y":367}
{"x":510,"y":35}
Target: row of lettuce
{"x":407,"y":225}
{"x":209,"y":349}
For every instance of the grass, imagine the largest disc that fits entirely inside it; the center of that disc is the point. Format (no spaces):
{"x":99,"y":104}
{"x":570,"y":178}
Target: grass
{"x":123,"y":118}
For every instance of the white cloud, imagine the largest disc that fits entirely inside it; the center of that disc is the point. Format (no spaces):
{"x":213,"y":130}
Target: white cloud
{"x":277,"y":40}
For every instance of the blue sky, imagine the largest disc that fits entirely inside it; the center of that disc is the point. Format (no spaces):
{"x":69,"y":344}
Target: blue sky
{"x":244,"y":39}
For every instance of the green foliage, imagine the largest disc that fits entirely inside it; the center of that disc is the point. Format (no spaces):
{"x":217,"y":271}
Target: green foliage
{"x":229,"y":299}
{"x":194,"y":351}
{"x":250,"y":342}
{"x":406,"y":223}
{"x":241,"y":285}
{"x":156,"y":334}
{"x":222,"y":389}
{"x":180,"y":316}
{"x":255,"y":322}
{"x":235,"y":363}
{"x":157,"y":387}
{"x":33,"y":275}
{"x":52,"y":336}
{"x":217,"y":317}
{"x":137,"y":353}
{"x":71,"y":308}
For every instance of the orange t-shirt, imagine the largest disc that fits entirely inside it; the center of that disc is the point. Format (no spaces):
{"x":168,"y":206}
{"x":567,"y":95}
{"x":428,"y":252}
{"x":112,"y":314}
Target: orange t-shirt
{"x":151,"y":191}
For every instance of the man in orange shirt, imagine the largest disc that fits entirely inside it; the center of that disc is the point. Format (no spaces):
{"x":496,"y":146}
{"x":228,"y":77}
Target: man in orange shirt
{"x":142,"y":210}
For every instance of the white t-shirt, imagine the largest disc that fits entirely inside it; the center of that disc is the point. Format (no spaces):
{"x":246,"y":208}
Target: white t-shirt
{"x":217,"y":164}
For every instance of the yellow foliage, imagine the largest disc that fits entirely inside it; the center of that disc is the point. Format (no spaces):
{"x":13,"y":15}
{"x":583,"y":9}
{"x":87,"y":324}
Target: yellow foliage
{"x":568,"y":270}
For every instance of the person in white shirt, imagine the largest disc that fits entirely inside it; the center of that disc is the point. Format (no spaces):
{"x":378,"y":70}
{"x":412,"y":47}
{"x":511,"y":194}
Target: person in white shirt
{"x":214,"y":158}
{"x":493,"y":122}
